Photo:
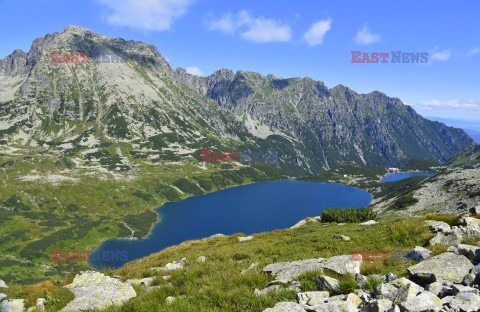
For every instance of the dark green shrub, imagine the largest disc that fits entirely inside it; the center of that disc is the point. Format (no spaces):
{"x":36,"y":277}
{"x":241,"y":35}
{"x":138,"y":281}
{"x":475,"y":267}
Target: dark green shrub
{"x":348,"y":215}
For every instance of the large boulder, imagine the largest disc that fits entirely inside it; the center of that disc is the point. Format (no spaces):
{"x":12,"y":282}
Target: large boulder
{"x":469,"y":251}
{"x":425,"y":301}
{"x":438,"y":226}
{"x":94,"y":290}
{"x":444,"y":267}
{"x":312,"y":298}
{"x":440,"y":290}
{"x":286,"y":307}
{"x":397,"y":290}
{"x":285,"y":272}
{"x":465,"y":302}
{"x":447,"y":238}
{"x":419,"y":254}
{"x":12,"y":305}
{"x":342,"y":265}
{"x":327,"y":283}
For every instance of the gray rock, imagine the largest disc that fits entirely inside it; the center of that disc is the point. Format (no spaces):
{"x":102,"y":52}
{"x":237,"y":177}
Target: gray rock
{"x":469,"y":279}
{"x":354,"y":299}
{"x":285,"y":272}
{"x":201,"y":259}
{"x":394,"y":309}
{"x":216,"y":235}
{"x":327,"y":283}
{"x":424,"y":301}
{"x":389,"y":277}
{"x":404,"y":293}
{"x":267,"y":290}
{"x":470,"y":223}
{"x":144,"y":281}
{"x":447,"y":238}
{"x":457,"y":288}
{"x":175,"y":265}
{"x":438,"y":226}
{"x":2,"y":296}
{"x":447,"y":300}
{"x":339,"y":236}
{"x":286,"y":307}
{"x":12,"y":305}
{"x":245,"y":238}
{"x":465,"y":302}
{"x":312,"y":298}
{"x":252,"y":268}
{"x":419,"y":254}
{"x":393,"y":290}
{"x":370,"y":222}
{"x":335,"y":306}
{"x":169,"y":300}
{"x":3,"y":284}
{"x":475,"y":211}
{"x":337,"y":297}
{"x":380,"y":305}
{"x":469,"y":251}
{"x":444,"y":267}
{"x":305,"y":221}
{"x":363,"y":295}
{"x":342,"y":265}
{"x":40,"y":304}
{"x":361,"y":280}
{"x":440,"y":290}
{"x":94,"y":290}
{"x":475,"y":270}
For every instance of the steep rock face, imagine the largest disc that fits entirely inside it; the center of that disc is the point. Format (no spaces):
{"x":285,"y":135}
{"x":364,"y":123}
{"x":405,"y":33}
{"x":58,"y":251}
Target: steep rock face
{"x":333,"y":123}
{"x":170,"y":115}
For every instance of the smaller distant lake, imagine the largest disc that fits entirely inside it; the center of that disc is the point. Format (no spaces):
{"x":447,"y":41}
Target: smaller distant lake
{"x":392,"y":177}
{"x":249,"y":209}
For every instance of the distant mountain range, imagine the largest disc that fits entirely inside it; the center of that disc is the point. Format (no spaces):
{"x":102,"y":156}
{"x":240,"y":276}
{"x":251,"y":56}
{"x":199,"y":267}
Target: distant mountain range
{"x":471,"y":127}
{"x":126,"y":94}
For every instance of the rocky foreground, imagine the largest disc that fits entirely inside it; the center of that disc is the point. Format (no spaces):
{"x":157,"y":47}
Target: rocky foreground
{"x":449,"y":281}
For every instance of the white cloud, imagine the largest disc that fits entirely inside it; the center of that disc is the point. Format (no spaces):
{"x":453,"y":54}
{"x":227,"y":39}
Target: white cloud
{"x":226,"y":24}
{"x":194,"y":70}
{"x":455,"y":109}
{"x":267,"y":30}
{"x":151,"y":15}
{"x":467,"y":104}
{"x":442,"y":55}
{"x":364,"y":36}
{"x":473,"y":51}
{"x":253,"y":29}
{"x":316,"y":33}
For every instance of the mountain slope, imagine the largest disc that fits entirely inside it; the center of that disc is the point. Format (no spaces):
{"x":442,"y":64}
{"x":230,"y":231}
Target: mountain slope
{"x":170,"y":115}
{"x":330,"y":124}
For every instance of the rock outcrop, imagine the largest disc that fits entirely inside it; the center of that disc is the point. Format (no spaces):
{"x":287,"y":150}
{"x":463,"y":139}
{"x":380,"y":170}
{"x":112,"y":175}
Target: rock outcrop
{"x":94,"y":290}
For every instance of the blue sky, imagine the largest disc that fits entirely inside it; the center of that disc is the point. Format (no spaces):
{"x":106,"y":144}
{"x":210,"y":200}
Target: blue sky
{"x":288,"y":39}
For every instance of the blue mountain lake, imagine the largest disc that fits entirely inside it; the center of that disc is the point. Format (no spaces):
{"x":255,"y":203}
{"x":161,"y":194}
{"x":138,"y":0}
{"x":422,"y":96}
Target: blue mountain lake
{"x":392,"y":177}
{"x":248,"y":209}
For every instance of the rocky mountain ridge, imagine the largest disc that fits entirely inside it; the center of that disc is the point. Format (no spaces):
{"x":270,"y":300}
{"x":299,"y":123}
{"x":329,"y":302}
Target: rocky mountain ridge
{"x":143,"y":102}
